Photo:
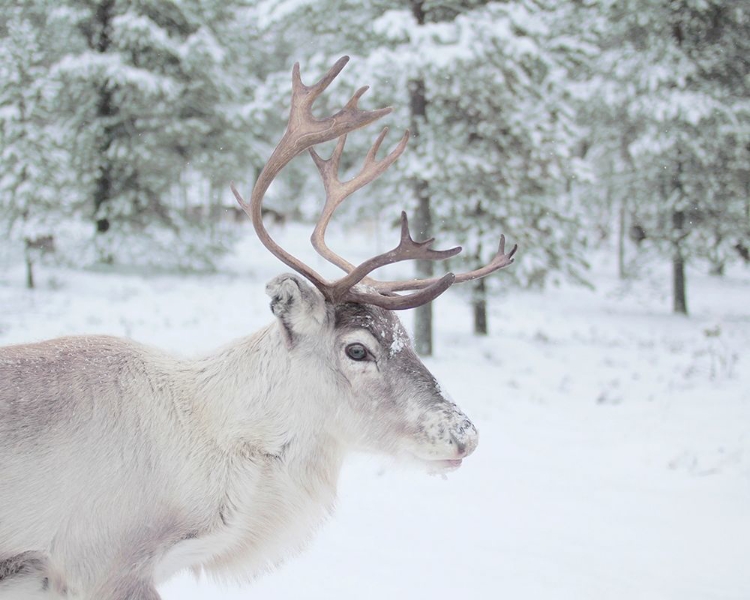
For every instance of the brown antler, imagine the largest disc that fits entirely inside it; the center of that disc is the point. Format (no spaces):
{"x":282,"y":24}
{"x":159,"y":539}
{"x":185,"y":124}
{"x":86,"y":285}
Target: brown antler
{"x":499,"y":261}
{"x":337,"y":192}
{"x":305,"y":131}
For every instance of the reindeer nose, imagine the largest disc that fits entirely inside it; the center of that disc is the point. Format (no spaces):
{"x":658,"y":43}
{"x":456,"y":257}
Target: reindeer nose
{"x":466,"y":438}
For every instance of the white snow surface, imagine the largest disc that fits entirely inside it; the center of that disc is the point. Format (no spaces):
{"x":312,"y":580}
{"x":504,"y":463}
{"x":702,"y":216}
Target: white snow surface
{"x":614,"y":455}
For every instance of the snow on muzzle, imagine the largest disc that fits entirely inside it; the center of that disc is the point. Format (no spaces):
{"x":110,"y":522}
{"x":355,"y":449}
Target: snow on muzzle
{"x":446,"y":436}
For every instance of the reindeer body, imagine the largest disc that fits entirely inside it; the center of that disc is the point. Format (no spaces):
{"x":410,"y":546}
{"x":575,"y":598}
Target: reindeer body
{"x":118,"y":454}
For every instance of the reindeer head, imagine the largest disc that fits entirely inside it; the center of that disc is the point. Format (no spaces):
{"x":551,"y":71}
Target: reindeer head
{"x":386,"y":398}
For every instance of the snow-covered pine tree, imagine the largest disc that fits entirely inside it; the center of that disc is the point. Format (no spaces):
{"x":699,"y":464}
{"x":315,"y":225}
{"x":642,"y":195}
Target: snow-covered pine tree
{"x":148,"y":91}
{"x":497,"y":136}
{"x":674,"y":82}
{"x":34,"y":204}
{"x":235,"y":99}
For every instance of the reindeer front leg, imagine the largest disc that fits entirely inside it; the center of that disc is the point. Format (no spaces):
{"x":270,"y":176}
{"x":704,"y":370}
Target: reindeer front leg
{"x":126,"y":590}
{"x":25,"y":577}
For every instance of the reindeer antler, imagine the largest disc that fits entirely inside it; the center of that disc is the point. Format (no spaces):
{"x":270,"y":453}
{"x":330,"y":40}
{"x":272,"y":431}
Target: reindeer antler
{"x":302,"y":133}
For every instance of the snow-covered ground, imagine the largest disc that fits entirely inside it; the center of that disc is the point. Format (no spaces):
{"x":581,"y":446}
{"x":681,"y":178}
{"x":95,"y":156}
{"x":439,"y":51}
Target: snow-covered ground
{"x":614,"y":459}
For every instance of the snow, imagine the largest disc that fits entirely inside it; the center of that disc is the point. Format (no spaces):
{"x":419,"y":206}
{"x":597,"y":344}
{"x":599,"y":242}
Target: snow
{"x":112,"y":68}
{"x":614,"y":455}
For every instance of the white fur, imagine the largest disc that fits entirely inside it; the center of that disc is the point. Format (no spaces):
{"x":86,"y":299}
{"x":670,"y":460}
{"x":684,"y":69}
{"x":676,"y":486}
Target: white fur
{"x":122,"y":465}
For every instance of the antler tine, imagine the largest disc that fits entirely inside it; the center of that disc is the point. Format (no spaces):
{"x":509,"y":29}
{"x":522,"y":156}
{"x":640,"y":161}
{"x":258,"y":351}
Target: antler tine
{"x":337,"y":191}
{"x":304,"y":131}
{"x":320,"y":86}
{"x":499,"y":261}
{"x":407,"y":249}
{"x":332,"y":164}
{"x":328,"y":170}
{"x":396,"y":302}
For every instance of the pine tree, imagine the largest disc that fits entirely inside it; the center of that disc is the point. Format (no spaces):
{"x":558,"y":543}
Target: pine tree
{"x":148,"y":93}
{"x":33,"y":200}
{"x":497,"y":135}
{"x":674,"y":83}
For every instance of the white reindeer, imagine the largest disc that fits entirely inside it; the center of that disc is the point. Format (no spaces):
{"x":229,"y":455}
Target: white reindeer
{"x":121,"y":465}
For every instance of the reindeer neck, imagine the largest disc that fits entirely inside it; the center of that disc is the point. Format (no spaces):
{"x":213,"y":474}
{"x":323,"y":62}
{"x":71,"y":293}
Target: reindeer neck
{"x":252,"y":393}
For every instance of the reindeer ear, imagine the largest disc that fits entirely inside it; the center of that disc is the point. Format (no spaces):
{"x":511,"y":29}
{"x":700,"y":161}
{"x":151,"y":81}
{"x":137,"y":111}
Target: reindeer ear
{"x":299,"y":307}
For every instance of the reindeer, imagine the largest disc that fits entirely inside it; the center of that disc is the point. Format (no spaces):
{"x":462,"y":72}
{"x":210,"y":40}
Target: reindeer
{"x":121,"y":465}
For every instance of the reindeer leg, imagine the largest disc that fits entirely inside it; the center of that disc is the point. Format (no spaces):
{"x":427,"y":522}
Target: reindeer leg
{"x":129,"y":576}
{"x":24,"y":577}
{"x":129,"y":590}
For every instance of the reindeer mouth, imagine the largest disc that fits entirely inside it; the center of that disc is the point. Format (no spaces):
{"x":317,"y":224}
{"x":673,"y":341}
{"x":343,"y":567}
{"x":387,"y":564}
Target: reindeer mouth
{"x":440,"y":467}
{"x":433,"y":466}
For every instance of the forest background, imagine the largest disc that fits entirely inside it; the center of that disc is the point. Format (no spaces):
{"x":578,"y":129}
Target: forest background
{"x":567,"y":126}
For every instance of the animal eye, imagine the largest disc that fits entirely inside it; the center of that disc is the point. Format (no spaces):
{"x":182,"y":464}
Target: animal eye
{"x":356,"y":352}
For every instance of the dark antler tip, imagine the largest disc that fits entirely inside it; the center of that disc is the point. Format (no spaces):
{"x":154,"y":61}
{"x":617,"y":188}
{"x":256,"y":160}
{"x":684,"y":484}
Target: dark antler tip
{"x":405,"y":233}
{"x":512,"y":252}
{"x":339,"y":65}
{"x":501,"y":245}
{"x":402,"y":144}
{"x":357,"y":95}
{"x":449,"y":253}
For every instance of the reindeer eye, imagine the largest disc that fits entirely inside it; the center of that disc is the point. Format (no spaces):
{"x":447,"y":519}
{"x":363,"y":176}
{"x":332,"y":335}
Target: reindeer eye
{"x":356,"y":352}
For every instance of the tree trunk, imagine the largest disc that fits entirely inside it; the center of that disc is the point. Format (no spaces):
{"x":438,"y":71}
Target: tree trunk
{"x":679,"y":294}
{"x":716,"y":258}
{"x":479,"y":301}
{"x":422,"y":221}
{"x":678,"y":224}
{"x":105,"y":110}
{"x":621,"y":271}
{"x":678,"y":283}
{"x":29,"y":272}
{"x":422,"y":224}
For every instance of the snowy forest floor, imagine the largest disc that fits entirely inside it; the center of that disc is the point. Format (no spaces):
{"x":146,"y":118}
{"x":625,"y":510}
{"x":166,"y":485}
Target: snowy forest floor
{"x":614,"y":457}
